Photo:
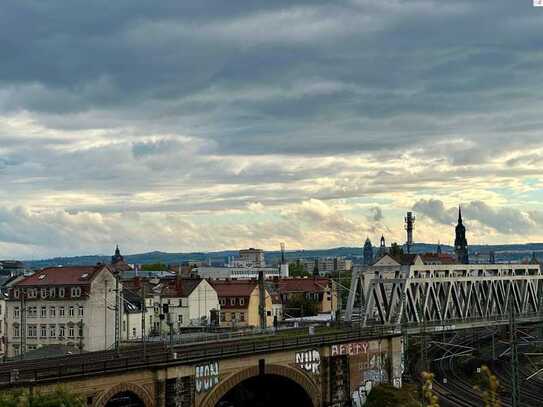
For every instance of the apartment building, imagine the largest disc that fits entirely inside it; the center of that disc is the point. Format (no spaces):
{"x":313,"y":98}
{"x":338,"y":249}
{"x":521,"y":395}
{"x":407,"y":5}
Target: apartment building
{"x":321,"y":290}
{"x":72,"y":306}
{"x":239,"y":302}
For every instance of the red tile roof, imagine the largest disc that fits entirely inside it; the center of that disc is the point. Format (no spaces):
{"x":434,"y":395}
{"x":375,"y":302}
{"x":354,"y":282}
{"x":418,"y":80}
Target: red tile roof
{"x":234,"y":288}
{"x":72,"y":275}
{"x":441,"y":258}
{"x":181,"y":287}
{"x":315,"y":284}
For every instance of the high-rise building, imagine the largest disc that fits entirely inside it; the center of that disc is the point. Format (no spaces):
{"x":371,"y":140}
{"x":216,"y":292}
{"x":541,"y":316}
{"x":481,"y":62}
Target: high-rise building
{"x":460,"y":241}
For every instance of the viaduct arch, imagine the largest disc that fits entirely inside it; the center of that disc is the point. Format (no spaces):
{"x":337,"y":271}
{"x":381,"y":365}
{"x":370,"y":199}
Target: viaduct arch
{"x":139,"y":391}
{"x":301,"y":379}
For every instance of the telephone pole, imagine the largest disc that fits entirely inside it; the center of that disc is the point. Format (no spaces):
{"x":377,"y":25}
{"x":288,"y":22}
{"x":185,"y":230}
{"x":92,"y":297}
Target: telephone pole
{"x":23,"y":323}
{"x":515,"y":385}
{"x":143,"y":312}
{"x":117,"y":313}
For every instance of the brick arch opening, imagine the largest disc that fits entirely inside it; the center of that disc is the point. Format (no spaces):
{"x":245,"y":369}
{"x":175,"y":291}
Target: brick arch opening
{"x":139,"y":391}
{"x":297,"y":376}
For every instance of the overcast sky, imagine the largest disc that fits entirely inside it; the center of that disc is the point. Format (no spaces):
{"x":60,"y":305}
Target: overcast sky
{"x":205,"y":125}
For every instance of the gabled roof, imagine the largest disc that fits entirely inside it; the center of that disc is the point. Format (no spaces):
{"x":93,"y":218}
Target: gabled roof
{"x":289,"y":285}
{"x":72,"y":275}
{"x":234,"y":288}
{"x":181,"y":287}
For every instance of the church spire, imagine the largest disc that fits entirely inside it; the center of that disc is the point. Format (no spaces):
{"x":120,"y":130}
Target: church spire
{"x":460,"y":241}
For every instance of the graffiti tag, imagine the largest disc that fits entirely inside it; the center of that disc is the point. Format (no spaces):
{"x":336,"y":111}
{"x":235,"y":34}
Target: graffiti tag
{"x":351,"y":349}
{"x":206,"y":376}
{"x":309,"y":360}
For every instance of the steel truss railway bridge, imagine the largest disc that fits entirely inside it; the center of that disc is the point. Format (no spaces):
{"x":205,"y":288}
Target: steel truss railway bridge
{"x":446,"y":297}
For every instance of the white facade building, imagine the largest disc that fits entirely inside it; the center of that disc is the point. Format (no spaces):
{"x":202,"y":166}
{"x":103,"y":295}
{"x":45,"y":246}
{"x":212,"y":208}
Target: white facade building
{"x":182,"y":302}
{"x":73,"y":306}
{"x":241,"y":273}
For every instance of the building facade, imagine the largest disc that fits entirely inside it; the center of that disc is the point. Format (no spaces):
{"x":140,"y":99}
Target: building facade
{"x":239,"y":301}
{"x":71,"y":306}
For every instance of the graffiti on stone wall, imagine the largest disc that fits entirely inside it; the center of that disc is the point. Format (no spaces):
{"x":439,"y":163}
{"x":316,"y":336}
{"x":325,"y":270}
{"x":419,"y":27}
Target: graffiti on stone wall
{"x":309,"y":360}
{"x":206,"y":376}
{"x":351,"y":349}
{"x":360,"y":395}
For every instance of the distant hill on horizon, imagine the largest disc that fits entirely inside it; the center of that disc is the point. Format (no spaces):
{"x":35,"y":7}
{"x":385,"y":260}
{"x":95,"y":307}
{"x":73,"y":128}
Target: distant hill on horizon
{"x":510,"y":252}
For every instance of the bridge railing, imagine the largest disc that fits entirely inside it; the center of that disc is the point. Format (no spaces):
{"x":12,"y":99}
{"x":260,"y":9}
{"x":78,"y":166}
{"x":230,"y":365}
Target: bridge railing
{"x":51,"y":370}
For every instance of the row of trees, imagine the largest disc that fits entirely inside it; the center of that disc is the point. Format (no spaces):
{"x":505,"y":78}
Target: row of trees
{"x":61,"y":397}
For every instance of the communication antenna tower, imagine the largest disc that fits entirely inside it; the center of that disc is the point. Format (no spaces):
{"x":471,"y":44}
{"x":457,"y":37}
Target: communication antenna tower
{"x":409,"y":226}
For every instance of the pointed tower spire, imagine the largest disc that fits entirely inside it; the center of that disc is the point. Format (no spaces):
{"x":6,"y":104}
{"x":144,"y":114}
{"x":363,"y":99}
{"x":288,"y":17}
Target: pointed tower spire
{"x":460,"y":241}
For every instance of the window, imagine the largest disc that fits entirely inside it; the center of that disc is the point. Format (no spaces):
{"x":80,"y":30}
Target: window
{"x":52,"y":292}
{"x":16,"y":349}
{"x":81,"y":330}
{"x":16,"y":312}
{"x":61,"y":331}
{"x":71,"y":332}
{"x":223,"y":317}
{"x":61,"y":312}
{"x":179,"y":320}
{"x":223,"y":301}
{"x":32,"y":331}
{"x":76,"y":291}
{"x":61,"y":292}
{"x":242,"y":316}
{"x":124,"y":325}
{"x":43,"y":312}
{"x":43,"y":293}
{"x":80,"y":311}
{"x":71,"y":311}
{"x":16,"y":331}
{"x":241,"y":301}
{"x":52,"y":312}
{"x":32,"y":312}
{"x":30,"y":293}
{"x":53,"y":331}
{"x":43,"y":331}
{"x":16,"y":293}
{"x":134,"y":332}
{"x":31,"y":347}
{"x":232,"y":301}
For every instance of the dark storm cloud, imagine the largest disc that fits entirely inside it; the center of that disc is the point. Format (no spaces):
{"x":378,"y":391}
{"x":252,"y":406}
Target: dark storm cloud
{"x":503,"y":220}
{"x":280,"y":77}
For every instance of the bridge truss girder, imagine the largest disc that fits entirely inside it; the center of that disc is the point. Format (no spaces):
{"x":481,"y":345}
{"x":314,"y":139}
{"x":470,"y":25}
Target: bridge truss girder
{"x":391,"y":301}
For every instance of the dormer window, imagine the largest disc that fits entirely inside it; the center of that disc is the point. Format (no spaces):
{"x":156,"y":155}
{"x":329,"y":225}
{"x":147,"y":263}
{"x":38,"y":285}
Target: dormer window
{"x":223,"y":301}
{"x":76,"y":291}
{"x":43,"y":293}
{"x":52,"y":292}
{"x":16,"y":293}
{"x":61,"y":292}
{"x":232,"y":301}
{"x":241,"y":301}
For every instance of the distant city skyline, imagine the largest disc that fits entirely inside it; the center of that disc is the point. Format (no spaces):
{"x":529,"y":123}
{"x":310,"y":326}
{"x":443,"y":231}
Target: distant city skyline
{"x":203,"y":126}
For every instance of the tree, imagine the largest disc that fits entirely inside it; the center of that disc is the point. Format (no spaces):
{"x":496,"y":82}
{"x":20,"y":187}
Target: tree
{"x":297,"y":270}
{"x":489,"y":389}
{"x":396,"y":250}
{"x":60,"y":397}
{"x":386,"y":395}
{"x":154,"y":267}
{"x":298,"y":305}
